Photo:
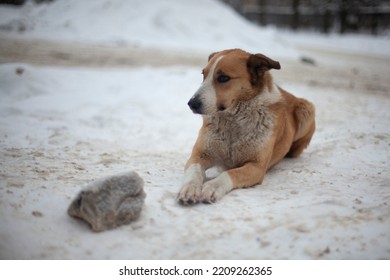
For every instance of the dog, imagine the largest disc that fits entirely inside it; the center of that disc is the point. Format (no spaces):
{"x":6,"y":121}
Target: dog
{"x":249,"y":125}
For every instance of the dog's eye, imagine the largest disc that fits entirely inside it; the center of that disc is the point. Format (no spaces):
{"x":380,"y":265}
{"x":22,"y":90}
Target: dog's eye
{"x":223,"y":79}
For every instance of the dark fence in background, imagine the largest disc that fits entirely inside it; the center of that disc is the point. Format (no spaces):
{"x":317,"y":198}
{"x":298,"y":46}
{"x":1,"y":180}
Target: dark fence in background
{"x":21,"y":2}
{"x":343,"y":16}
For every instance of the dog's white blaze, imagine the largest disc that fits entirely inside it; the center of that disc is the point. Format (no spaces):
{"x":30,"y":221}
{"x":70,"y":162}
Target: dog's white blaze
{"x":193,"y":173}
{"x":206,"y":92}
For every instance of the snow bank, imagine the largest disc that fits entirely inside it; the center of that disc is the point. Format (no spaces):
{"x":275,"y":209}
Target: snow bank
{"x":203,"y":25}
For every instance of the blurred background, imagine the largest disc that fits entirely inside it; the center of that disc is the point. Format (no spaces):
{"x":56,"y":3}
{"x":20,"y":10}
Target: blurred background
{"x":357,"y":16}
{"x":342,"y":16}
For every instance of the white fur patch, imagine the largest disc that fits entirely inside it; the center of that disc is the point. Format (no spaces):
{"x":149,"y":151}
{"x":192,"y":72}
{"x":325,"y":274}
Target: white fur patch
{"x":270,"y":97}
{"x":215,"y":189}
{"x":225,"y":182}
{"x":194,"y":173}
{"x":192,"y":186}
{"x":206,"y":92}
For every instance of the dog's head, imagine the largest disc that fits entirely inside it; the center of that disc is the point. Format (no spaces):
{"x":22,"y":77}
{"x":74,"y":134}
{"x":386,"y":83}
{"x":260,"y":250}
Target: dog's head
{"x":232,"y":76}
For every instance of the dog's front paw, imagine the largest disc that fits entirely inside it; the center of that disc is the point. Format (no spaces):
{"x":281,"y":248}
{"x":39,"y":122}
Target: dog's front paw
{"x":215,"y":189}
{"x":189,"y":193}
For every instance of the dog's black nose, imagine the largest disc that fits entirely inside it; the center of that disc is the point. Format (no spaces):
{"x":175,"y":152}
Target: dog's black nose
{"x":195,"y":104}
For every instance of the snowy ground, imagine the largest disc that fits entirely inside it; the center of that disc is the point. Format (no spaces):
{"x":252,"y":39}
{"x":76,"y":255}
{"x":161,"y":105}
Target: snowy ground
{"x":63,"y":127}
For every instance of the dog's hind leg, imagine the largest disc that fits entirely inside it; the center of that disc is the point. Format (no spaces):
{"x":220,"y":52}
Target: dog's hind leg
{"x":299,"y":145}
{"x":304,"y":117}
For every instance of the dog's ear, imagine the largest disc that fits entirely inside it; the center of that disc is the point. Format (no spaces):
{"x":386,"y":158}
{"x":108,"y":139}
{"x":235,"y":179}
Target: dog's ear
{"x":258,"y":64}
{"x":211,"y":55}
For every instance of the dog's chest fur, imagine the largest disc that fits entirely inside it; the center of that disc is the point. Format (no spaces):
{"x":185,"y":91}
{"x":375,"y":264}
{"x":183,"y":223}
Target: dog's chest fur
{"x":234,"y":138}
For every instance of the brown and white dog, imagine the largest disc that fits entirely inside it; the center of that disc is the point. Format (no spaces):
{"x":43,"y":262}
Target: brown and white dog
{"x":249,"y":125}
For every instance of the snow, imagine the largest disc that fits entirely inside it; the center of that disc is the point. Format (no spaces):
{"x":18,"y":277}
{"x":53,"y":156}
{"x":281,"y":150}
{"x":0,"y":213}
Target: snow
{"x":203,"y":25}
{"x":63,"y":127}
{"x":162,"y":24}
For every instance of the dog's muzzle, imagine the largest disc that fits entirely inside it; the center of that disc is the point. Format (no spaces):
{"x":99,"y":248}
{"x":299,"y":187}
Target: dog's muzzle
{"x":195,"y":105}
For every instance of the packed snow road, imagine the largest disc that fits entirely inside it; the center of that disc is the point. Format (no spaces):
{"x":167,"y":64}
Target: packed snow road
{"x":46,"y":52}
{"x":333,"y":68}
